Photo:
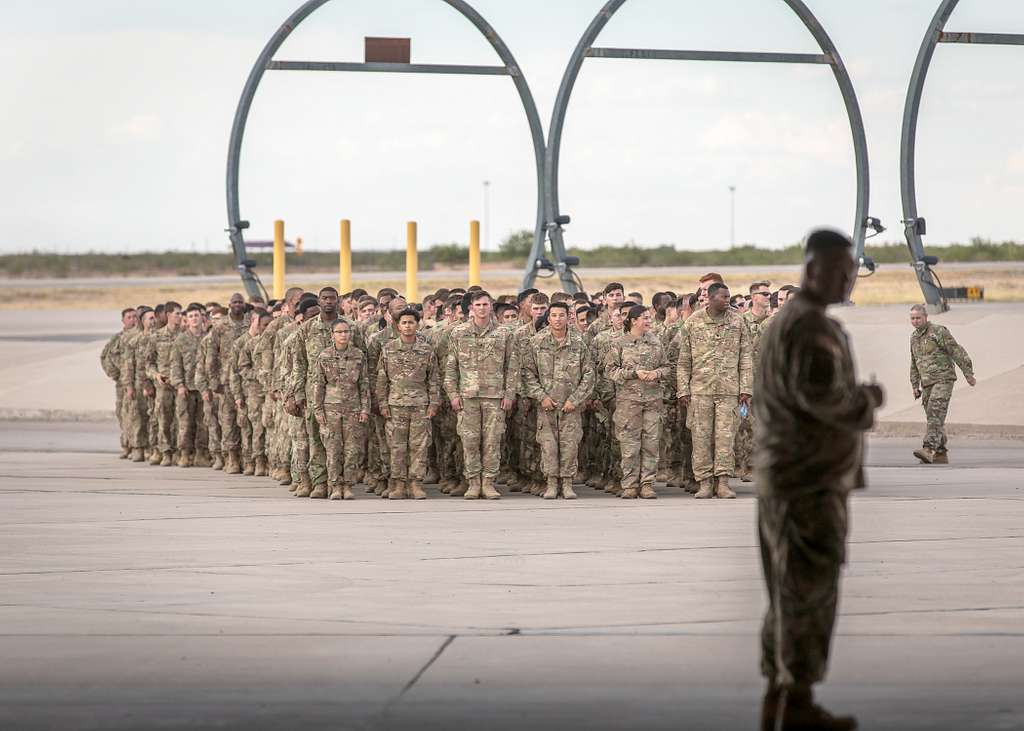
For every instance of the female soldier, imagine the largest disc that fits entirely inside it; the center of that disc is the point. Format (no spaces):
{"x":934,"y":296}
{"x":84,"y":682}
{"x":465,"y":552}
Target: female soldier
{"x":637,"y":366}
{"x":341,"y":403}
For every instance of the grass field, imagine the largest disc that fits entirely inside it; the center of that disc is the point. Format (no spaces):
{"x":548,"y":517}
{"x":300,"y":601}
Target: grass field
{"x":891,"y":285}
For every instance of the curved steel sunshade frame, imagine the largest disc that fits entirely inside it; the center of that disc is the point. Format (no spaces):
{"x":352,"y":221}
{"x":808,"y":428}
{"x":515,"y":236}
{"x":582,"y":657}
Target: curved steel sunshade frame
{"x":912,"y":222}
{"x":830,"y":57}
{"x":265,"y":61}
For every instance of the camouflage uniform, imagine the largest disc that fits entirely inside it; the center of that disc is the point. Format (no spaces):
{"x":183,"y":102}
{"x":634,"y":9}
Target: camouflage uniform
{"x":639,"y":407}
{"x":562,"y":372}
{"x":298,"y":434}
{"x":482,"y":369}
{"x":409,"y":384}
{"x":682,"y":445}
{"x":378,"y":433}
{"x":933,"y":354}
{"x":608,"y":458}
{"x":714,"y":369}
{"x":110,"y":361}
{"x":269,"y":356}
{"x":241,"y":390}
{"x":806,"y":465}
{"x":134,"y":407}
{"x":341,"y":392}
{"x":209,"y":412}
{"x":449,"y":447}
{"x":744,"y":446}
{"x":159,"y":363}
{"x":218,"y":374}
{"x":145,"y":353}
{"x":526,"y":459}
{"x":184,"y":360}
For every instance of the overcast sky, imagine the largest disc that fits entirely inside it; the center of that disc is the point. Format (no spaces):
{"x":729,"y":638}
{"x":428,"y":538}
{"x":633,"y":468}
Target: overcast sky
{"x":116,"y":115}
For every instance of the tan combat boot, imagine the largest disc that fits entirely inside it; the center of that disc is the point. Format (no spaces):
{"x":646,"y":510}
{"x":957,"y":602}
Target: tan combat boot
{"x":514,"y":483}
{"x":473,"y":490}
{"x":218,"y":462}
{"x":305,"y":486}
{"x":346,"y":492}
{"x":647,"y":492}
{"x":488,"y":490}
{"x":460,"y":489}
{"x":446,"y":486}
{"x":126,"y":452}
{"x":941,"y":458}
{"x":662,"y":475}
{"x":431,"y":477}
{"x":138,"y":454}
{"x":286,"y":477}
{"x":538,"y":488}
{"x":567,"y":492}
{"x":552,"y":489}
{"x":383,"y":487}
{"x":155,"y":457}
{"x":707,"y":489}
{"x":397,"y":490}
{"x":261,"y":467}
{"x":248,"y":468}
{"x":319,"y":492}
{"x":166,"y":461}
{"x":202,"y":458}
{"x":692,"y":486}
{"x":416,"y":490}
{"x":628,"y":493}
{"x":722,"y":489}
{"x":924,"y":454}
{"x":335,"y":492}
{"x":231,"y":465}
{"x":183,"y":459}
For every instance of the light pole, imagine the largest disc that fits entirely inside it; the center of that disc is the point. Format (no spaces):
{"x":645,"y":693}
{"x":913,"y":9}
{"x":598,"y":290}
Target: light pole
{"x":487,"y":215}
{"x":732,"y":216}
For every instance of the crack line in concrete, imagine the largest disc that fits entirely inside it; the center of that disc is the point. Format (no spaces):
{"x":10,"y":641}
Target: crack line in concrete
{"x":444,"y":646}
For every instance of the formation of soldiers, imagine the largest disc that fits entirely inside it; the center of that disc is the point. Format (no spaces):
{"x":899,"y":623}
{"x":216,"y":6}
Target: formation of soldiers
{"x":323,"y":392}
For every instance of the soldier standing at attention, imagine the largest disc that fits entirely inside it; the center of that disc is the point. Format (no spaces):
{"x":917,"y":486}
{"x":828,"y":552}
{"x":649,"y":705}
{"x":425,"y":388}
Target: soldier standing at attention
{"x":933,"y":354}
{"x":408,"y":396}
{"x":637,"y":366}
{"x":559,"y":376}
{"x":184,"y":361}
{"x":341,"y":404}
{"x":132,"y":367}
{"x":218,"y":373}
{"x":379,"y":466}
{"x":756,"y":318}
{"x":807,"y":463}
{"x":159,"y":369}
{"x":110,"y":360}
{"x":714,"y":375}
{"x":210,"y":415}
{"x":481,"y":378}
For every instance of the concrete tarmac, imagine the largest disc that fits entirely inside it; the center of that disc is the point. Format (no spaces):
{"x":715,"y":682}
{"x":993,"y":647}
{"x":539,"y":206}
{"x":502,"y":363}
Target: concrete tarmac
{"x":137,"y":597}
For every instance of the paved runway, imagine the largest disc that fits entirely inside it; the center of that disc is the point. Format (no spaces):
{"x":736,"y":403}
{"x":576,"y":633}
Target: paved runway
{"x":137,"y":597}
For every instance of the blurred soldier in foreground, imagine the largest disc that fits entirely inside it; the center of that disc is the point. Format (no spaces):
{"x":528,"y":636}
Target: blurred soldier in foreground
{"x":110,"y":359}
{"x":807,"y":463}
{"x":933,"y":354}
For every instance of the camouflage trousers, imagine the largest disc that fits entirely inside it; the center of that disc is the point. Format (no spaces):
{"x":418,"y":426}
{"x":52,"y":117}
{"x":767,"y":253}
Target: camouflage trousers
{"x":609,"y":451}
{"x":666,"y":449}
{"x":230,"y":432}
{"x":244,"y":431}
{"x":299,"y":436}
{"x":254,"y":405}
{"x":211,"y":418}
{"x":684,"y":443}
{"x":803,"y":546}
{"x":382,"y":445}
{"x":134,"y":421}
{"x":192,"y":433}
{"x":317,"y":462}
{"x":345,"y":438}
{"x":374,"y":466}
{"x":935,"y":399}
{"x":744,"y":446}
{"x":166,"y":426}
{"x":638,"y":427}
{"x":527,"y":458}
{"x":408,"y":434}
{"x":119,"y":413}
{"x":449,"y":447}
{"x":559,"y":435}
{"x":152,"y":435}
{"x":712,"y":422}
{"x":481,"y":424}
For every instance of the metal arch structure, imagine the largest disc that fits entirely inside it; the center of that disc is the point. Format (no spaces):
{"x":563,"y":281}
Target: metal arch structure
{"x":265,"y":61}
{"x":553,"y":218}
{"x":914,"y":224}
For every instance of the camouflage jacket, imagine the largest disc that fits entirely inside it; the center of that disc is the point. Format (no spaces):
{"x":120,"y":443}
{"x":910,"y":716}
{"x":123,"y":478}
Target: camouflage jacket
{"x":933,"y":353}
{"x":283,"y":358}
{"x":184,"y":359}
{"x":145,"y":357}
{"x":604,"y":389}
{"x":482,"y":362}
{"x":314,"y":335}
{"x":628,"y":354}
{"x":160,"y":359}
{"x":218,"y":353}
{"x":561,"y":371}
{"x":264,"y":352}
{"x":755,"y":327}
{"x":375,"y":342}
{"x":340,"y":378}
{"x":110,"y":358}
{"x":714,"y":356}
{"x":408,"y":374}
{"x":129,"y":359}
{"x":239,"y":382}
{"x":522,"y":337}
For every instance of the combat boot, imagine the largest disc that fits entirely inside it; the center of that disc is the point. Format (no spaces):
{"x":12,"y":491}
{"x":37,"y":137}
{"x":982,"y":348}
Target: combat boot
{"x":431,"y":477}
{"x":416,"y":490}
{"x":647,"y":492}
{"x":371,"y":486}
{"x":305,"y":487}
{"x":218,"y":462}
{"x":138,"y":454}
{"x":202,"y":458}
{"x":319,"y":492}
{"x":383,"y":488}
{"x":722,"y":489}
{"x":166,"y":461}
{"x":514,"y":483}
{"x":595,"y":481}
{"x":567,"y":492}
{"x":537,"y":488}
{"x":941,"y":458}
{"x":248,"y":468}
{"x":335,"y":493}
{"x":155,"y":457}
{"x":615,"y":489}
{"x":552,"y":489}
{"x":460,"y":489}
{"x":661,"y":476}
{"x":628,"y":493}
{"x":473,"y":490}
{"x":183,"y":460}
{"x":926,"y":455}
{"x":800,"y":713}
{"x":397,"y":491}
{"x":692,"y":486}
{"x":707,"y":489}
{"x":286,"y":478}
{"x":126,"y":452}
{"x":488,"y":490}
{"x":261,"y":467}
{"x":231,"y":465}
{"x":346,"y":492}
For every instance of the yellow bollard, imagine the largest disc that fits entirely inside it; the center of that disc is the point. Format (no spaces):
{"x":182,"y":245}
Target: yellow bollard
{"x":278,"y":259}
{"x":474,"y":253}
{"x":298,"y":246}
{"x":411,"y":263}
{"x":345,"y":257}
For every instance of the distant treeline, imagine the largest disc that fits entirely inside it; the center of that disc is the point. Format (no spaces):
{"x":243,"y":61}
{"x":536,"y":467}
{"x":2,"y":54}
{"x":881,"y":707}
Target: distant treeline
{"x":513,"y":252}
